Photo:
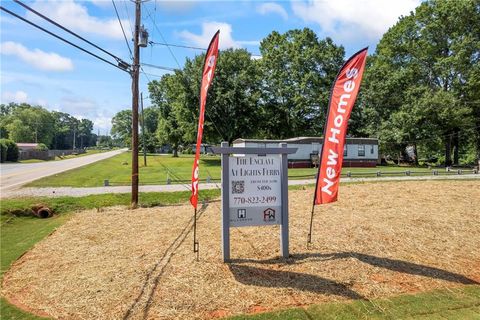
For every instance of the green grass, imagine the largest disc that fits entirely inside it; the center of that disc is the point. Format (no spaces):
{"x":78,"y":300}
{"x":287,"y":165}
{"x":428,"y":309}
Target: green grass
{"x":458,"y":303}
{"x":160,"y":167}
{"x":88,"y":153}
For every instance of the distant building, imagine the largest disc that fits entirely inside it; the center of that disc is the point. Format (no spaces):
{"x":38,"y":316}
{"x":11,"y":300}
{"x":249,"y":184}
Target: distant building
{"x":204,"y":148}
{"x":358,"y":152}
{"x":23,"y":146}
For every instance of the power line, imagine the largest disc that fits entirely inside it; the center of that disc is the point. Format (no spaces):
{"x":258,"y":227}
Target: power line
{"x":123,"y":31}
{"x":186,"y":47}
{"x":175,"y":45}
{"x":158,"y":67}
{"x":66,"y":41}
{"x":128,"y":15}
{"x":161,"y":35}
{"x":67,"y":30}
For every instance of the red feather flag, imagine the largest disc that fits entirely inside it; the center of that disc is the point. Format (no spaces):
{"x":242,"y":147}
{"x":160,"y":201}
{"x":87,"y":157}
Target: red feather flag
{"x":207,"y":78}
{"x":342,"y":98}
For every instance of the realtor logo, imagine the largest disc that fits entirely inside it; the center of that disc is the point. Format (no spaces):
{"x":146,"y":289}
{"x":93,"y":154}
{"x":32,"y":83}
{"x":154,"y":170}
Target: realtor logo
{"x":242,"y":213}
{"x":269,"y":215}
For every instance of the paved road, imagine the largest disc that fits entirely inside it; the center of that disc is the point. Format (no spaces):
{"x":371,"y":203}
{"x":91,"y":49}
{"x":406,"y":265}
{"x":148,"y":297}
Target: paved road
{"x":14,"y":175}
{"x":80,"y":192}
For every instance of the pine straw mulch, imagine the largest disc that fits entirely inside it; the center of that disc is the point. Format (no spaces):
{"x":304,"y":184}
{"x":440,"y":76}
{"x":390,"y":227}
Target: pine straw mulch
{"x":378,"y":240}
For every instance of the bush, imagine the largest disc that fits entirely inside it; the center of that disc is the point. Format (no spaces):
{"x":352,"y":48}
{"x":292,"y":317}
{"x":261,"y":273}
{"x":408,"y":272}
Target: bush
{"x":41,"y":147}
{"x":12,"y":150}
{"x":3,"y":151}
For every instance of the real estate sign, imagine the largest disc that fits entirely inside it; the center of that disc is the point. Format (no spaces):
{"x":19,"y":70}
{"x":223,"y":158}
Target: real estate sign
{"x":255,"y":192}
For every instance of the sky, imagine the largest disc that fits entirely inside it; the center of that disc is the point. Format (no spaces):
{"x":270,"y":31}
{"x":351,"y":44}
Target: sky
{"x":39,"y":69}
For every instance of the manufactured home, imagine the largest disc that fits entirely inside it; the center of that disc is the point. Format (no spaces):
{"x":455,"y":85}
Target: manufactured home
{"x":358,"y":152}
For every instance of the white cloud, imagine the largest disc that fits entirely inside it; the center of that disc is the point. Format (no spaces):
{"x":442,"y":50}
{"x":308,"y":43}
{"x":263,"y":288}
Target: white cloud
{"x":17,"y":97}
{"x":78,"y":105}
{"x":48,"y":61}
{"x":102,"y":3}
{"x":347,"y":19}
{"x":177,"y":6}
{"x":208,"y":30}
{"x":102,"y":122}
{"x":76,"y":17}
{"x":270,"y":7}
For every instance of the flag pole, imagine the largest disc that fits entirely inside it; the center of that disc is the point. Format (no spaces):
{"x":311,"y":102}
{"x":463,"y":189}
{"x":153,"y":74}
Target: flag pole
{"x":195,"y":242}
{"x":309,"y":239}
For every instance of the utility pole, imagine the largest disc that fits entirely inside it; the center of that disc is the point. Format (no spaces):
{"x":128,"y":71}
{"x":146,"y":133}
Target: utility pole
{"x":73,"y":138}
{"x":143,"y":132}
{"x":135,"y":79}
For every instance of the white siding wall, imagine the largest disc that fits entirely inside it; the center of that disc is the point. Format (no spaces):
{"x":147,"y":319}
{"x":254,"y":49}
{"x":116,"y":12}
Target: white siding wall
{"x":304,"y":150}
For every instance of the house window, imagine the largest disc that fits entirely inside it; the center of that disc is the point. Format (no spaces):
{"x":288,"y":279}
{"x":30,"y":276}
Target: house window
{"x":345,"y":152}
{"x":371,"y":149}
{"x":361,"y":151}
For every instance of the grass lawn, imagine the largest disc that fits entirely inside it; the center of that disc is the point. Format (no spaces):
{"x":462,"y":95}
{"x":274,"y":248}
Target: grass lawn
{"x":19,"y":234}
{"x":118,"y":170}
{"x":88,"y":153}
{"x":458,"y":303}
{"x":160,"y":167}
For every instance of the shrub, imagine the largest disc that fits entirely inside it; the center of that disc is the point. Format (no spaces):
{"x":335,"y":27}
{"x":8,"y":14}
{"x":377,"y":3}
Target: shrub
{"x":12,"y":150}
{"x":41,"y":147}
{"x":3,"y":151}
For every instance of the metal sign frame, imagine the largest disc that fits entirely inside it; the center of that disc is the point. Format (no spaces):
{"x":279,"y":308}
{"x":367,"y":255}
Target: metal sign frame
{"x":225,"y":150}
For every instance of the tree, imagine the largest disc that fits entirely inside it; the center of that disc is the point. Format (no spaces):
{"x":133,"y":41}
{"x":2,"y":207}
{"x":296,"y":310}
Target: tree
{"x":425,"y":71}
{"x":167,"y":94}
{"x":85,"y":128}
{"x":149,"y":128}
{"x":232,"y":108}
{"x":297,"y":71}
{"x":26,"y":123}
{"x":122,"y":127}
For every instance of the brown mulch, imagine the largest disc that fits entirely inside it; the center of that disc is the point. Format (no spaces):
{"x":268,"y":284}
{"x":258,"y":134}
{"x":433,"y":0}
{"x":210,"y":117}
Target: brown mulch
{"x":378,"y":240}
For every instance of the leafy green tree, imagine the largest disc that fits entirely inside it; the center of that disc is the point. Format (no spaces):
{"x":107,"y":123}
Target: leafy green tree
{"x":425,"y":72}
{"x":297,"y":71}
{"x":149,"y":128}
{"x":166,"y":94}
{"x":232,"y":109}
{"x":122,"y":127}
{"x":85,"y":128}
{"x":27,"y":123}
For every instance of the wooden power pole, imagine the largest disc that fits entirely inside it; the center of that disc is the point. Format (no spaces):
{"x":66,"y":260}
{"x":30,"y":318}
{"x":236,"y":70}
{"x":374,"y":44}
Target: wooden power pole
{"x":135,"y":79}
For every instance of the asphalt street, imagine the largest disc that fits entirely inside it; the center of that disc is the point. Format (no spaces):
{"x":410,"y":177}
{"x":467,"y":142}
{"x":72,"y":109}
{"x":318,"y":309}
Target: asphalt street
{"x":14,"y":175}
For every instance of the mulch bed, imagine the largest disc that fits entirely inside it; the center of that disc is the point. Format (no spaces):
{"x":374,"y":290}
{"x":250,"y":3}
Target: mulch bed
{"x":378,"y":240}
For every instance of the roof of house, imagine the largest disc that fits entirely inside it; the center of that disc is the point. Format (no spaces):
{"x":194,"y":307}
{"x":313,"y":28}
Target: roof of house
{"x":27,"y":144}
{"x":309,"y":140}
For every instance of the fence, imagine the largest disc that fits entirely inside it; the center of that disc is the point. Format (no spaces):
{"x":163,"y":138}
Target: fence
{"x":347,"y":174}
{"x":47,"y":154}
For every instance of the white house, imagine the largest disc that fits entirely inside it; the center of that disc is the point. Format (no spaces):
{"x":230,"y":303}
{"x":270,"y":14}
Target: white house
{"x":358,"y":152}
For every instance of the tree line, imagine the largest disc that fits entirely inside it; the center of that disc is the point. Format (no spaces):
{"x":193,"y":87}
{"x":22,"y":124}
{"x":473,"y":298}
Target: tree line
{"x":56,"y":130}
{"x":421,"y":89}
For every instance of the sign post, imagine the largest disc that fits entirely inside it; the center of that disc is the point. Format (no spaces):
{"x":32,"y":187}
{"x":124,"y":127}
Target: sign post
{"x":254,"y":190}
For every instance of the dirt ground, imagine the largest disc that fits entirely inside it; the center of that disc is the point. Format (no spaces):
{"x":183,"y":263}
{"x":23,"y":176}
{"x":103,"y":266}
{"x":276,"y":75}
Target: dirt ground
{"x":378,"y":240}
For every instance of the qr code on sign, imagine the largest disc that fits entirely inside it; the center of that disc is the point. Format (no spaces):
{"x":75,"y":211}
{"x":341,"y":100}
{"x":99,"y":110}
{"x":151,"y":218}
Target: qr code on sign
{"x":238,"y":186}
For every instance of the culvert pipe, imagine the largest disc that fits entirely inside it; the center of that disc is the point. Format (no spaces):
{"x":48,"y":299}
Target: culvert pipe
{"x":43,"y":212}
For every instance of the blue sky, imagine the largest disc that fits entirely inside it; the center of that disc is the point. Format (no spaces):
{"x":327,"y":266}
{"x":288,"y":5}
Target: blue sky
{"x":39,"y":69}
